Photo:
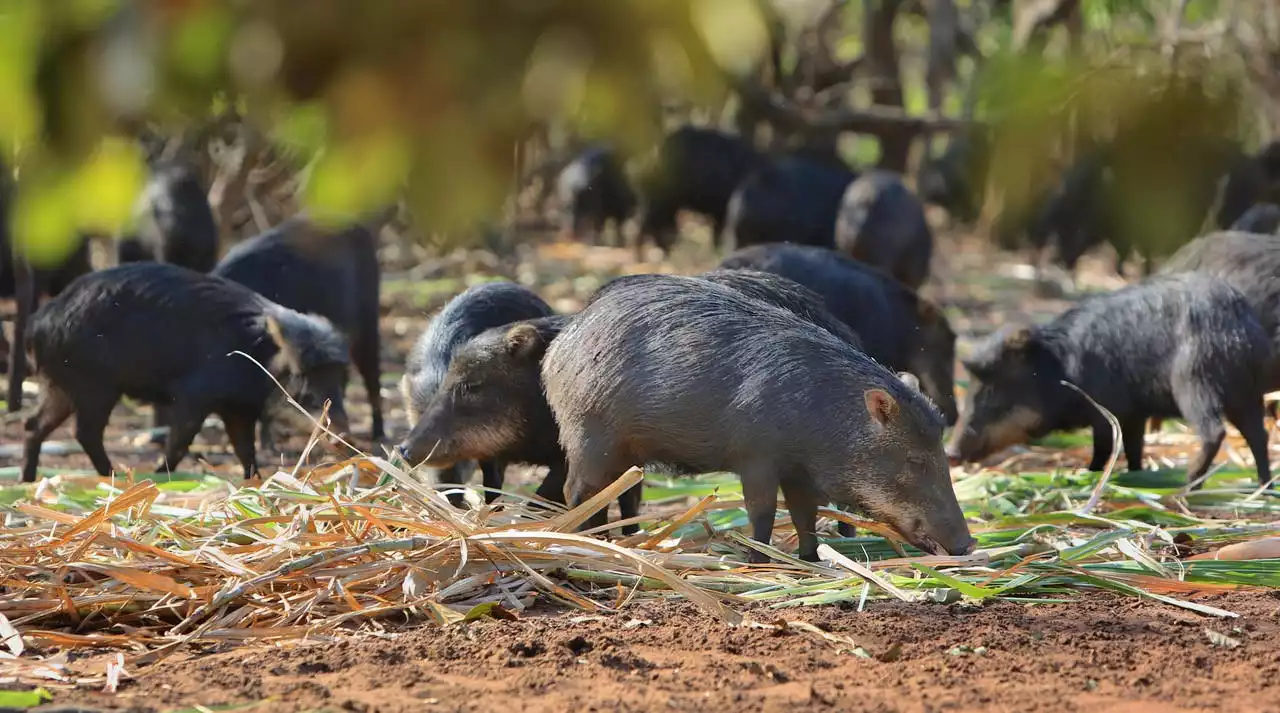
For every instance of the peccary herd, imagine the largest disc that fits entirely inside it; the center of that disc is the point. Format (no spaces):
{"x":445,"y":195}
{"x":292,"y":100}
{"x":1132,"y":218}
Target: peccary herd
{"x":806,"y":361}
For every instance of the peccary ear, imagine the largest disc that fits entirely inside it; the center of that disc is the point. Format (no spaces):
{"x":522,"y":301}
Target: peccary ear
{"x":881,"y":406}
{"x":909,"y":379}
{"x":524,"y":342}
{"x":1017,"y":339}
{"x":292,"y":360}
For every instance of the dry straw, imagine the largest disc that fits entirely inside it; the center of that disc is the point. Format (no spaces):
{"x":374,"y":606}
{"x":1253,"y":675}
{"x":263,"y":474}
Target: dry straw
{"x":146,"y":567}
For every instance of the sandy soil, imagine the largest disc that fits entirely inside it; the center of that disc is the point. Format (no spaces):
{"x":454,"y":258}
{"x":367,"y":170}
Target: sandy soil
{"x":1101,"y":653}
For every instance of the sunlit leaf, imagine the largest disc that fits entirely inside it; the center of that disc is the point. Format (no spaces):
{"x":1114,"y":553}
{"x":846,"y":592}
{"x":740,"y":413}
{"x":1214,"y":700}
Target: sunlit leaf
{"x":43,"y":229}
{"x":107,"y":186}
{"x":355,"y":177}
{"x":24,"y":699}
{"x":197,"y":45}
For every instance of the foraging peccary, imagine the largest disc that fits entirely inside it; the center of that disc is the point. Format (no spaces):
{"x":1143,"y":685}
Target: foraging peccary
{"x":175,"y":223}
{"x":676,"y":370}
{"x":163,"y":334}
{"x":594,"y":190}
{"x":881,"y":223}
{"x":331,"y":273}
{"x":466,"y":316}
{"x":1186,"y":345}
{"x":489,"y":407}
{"x":696,"y":169}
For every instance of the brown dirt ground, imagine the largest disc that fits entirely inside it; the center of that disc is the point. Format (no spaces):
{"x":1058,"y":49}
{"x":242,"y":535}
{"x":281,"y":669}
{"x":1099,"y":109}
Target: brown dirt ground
{"x":1103,"y":652}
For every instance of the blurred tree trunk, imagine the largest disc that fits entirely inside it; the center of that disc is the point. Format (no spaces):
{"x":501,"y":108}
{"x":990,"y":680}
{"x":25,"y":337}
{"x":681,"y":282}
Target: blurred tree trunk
{"x":948,"y":39}
{"x":886,"y":81}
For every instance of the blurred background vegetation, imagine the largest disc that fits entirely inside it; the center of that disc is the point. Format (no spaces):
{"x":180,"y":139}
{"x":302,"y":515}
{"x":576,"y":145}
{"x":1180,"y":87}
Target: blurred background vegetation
{"x":450,"y":108}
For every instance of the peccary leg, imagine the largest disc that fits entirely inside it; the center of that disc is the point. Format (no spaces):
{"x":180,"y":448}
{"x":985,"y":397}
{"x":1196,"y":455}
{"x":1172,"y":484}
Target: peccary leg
{"x":25,"y":293}
{"x":265,"y":438}
{"x":493,"y":475}
{"x":366,"y":358}
{"x":760,"y":491}
{"x":55,"y":408}
{"x":1133,"y":432}
{"x":629,"y":507}
{"x":240,"y":432}
{"x":1250,"y":421}
{"x":184,"y":424}
{"x":91,"y":423}
{"x":1211,"y":437}
{"x":844,"y":528}
{"x":552,"y":487}
{"x":802,"y":502}
{"x":1103,"y":442}
{"x":455,"y":475}
{"x":159,"y":419}
{"x":1203,"y":410}
{"x":589,"y":473}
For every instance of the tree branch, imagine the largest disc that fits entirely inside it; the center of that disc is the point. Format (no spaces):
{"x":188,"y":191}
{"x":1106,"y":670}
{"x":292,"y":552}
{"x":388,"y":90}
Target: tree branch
{"x":788,"y":117}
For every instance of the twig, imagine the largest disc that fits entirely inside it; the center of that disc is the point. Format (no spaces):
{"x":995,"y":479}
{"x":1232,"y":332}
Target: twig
{"x":1116,"y":443}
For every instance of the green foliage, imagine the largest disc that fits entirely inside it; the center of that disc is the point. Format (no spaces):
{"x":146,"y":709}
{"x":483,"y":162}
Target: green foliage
{"x":427,"y":98}
{"x":21,"y":700}
{"x":1046,"y":114}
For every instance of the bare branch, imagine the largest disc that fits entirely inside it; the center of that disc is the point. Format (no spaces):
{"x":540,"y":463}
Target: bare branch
{"x":791,"y":118}
{"x":817,"y":66}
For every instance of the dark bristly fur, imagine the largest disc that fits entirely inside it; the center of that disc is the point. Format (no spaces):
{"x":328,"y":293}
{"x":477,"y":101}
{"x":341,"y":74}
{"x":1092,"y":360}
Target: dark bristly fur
{"x":1250,"y":263}
{"x":787,"y":294}
{"x":897,"y":328}
{"x":793,"y":199}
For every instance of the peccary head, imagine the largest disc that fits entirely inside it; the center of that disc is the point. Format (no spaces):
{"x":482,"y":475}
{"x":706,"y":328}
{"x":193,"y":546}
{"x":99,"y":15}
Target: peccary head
{"x":312,"y":357}
{"x":933,"y":357}
{"x":489,"y":398}
{"x":1014,"y":395}
{"x":900,"y":474}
